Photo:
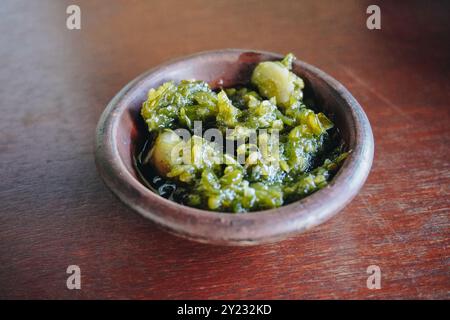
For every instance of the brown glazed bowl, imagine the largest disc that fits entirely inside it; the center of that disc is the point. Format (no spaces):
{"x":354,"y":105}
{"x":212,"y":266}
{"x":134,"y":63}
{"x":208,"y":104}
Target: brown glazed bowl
{"x":121,"y":131}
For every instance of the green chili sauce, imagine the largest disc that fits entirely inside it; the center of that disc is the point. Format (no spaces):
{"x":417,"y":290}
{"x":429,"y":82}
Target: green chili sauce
{"x":271,"y":146}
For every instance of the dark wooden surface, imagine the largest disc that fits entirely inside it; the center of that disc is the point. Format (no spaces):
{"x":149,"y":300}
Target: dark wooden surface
{"x":55,"y":210}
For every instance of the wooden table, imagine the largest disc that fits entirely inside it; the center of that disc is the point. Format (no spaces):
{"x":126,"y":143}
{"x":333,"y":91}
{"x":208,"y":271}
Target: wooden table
{"x":55,"y":211}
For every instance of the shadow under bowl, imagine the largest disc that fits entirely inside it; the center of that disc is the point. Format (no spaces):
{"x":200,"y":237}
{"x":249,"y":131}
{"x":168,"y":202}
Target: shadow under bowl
{"x":121,"y":131}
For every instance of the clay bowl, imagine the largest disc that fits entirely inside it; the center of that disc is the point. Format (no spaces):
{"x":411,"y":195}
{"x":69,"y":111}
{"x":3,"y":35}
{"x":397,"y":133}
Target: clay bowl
{"x":121,"y":132}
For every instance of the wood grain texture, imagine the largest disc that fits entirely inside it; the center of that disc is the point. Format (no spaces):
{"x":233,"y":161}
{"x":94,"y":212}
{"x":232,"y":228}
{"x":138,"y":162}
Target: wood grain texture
{"x":55,"y":211}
